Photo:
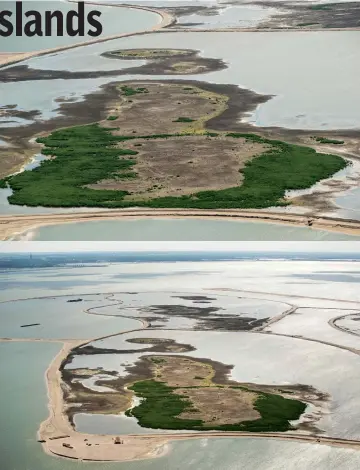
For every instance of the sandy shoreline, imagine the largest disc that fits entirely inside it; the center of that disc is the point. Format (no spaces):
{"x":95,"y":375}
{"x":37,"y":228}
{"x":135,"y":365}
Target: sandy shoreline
{"x":166,"y":20}
{"x":13,"y":226}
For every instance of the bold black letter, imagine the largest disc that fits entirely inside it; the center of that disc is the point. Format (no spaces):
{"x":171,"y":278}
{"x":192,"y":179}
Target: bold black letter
{"x":97,"y":25}
{"x":35,"y":22}
{"x":80,"y":14}
{"x":6,"y":23}
{"x":18,"y":18}
{"x":59,"y":25}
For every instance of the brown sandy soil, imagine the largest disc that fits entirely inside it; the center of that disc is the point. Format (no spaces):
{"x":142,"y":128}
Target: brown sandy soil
{"x":178,"y":165}
{"x":166,"y":101}
{"x":212,"y":405}
{"x":216,"y":406}
{"x":203,"y":102}
{"x":7,"y":58}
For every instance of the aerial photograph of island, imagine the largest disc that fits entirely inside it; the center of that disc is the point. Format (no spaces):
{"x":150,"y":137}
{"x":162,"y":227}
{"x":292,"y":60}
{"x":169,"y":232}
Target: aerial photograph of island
{"x":179,"y":235}
{"x":182,"y":120}
{"x":169,"y":357}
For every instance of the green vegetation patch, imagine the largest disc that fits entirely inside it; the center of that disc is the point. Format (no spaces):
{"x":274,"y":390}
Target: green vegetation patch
{"x":112,"y":118}
{"x":3,"y":183}
{"x":157,"y":360}
{"x":324,"y":140}
{"x":161,"y":407}
{"x":129,"y":91}
{"x":184,"y":119}
{"x":86,"y":155}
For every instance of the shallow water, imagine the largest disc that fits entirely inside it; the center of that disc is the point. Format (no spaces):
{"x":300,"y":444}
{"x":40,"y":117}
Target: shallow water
{"x":59,"y":318}
{"x":241,"y":16}
{"x":114,"y":21}
{"x":349,"y":204}
{"x":178,"y":229}
{"x":312,"y":75}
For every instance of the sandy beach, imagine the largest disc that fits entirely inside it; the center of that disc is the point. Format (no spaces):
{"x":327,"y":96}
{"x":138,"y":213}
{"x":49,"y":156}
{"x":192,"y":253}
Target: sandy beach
{"x":11,"y":226}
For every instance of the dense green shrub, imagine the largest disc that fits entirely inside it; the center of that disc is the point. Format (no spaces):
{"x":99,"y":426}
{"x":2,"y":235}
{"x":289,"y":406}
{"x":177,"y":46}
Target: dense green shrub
{"x":160,"y":409}
{"x":86,"y":155}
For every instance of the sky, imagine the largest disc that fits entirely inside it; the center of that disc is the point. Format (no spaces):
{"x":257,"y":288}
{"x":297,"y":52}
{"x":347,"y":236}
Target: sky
{"x":276,"y":246}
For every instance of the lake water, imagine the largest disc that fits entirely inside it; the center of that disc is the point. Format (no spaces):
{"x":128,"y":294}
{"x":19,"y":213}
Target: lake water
{"x":312,"y":75}
{"x":178,"y":229}
{"x":114,"y":21}
{"x":58,"y":318}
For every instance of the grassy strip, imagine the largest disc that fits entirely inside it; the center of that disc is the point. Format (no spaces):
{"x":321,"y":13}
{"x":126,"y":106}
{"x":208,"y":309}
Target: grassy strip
{"x":324,"y":140}
{"x":86,"y":155}
{"x":161,"y":407}
{"x":112,"y":118}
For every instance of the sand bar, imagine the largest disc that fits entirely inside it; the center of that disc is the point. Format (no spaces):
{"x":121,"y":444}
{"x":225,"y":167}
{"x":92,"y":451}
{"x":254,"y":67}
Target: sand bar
{"x":11,"y":225}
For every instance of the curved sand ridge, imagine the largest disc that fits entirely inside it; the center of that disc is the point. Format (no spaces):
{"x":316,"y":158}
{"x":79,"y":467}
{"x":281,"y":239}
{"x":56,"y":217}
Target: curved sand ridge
{"x":56,"y":430}
{"x":12,"y":226}
{"x":166,"y":20}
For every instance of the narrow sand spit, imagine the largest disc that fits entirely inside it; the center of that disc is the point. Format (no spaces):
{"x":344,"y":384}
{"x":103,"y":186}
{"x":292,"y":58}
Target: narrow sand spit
{"x":12,"y":226}
{"x":166,"y":20}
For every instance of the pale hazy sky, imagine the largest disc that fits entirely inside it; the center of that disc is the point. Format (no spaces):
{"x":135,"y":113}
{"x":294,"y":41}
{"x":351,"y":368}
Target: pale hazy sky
{"x":318,"y":247}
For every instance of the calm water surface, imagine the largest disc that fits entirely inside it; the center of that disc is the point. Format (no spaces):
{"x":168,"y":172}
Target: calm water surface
{"x":114,"y":21}
{"x":179,"y":229}
{"x":311,"y":75}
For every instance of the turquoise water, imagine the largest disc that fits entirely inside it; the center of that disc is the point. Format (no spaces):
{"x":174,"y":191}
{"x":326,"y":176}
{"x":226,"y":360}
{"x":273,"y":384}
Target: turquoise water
{"x":114,"y":21}
{"x":178,"y":229}
{"x":23,"y":407}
